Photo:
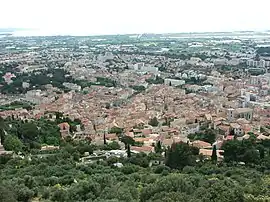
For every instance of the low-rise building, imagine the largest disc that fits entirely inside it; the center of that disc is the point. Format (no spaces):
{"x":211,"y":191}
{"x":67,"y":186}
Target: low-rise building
{"x":174,"y":82}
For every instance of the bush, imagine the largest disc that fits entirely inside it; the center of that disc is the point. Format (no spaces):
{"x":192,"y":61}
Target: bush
{"x":160,"y":168}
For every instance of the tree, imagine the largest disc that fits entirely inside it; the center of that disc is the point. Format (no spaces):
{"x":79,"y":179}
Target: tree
{"x":2,"y":130}
{"x":116,"y":130}
{"x":214,"y":154}
{"x":154,"y":122}
{"x":104,"y":138}
{"x":127,"y":140}
{"x":29,"y":131}
{"x":179,"y":156}
{"x":231,"y":150}
{"x":158,"y":148}
{"x":12,"y":143}
{"x":6,"y":194}
{"x":207,"y":136}
{"x":261,"y":151}
{"x":128,"y":151}
{"x":251,"y":156}
{"x":166,"y":107}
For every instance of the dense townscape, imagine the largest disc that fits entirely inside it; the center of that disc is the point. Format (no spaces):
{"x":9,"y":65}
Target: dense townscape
{"x":150,"y":117}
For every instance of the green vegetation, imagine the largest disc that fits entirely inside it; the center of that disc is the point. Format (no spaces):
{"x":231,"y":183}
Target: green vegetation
{"x":39,"y":78}
{"x":154,"y":122}
{"x":195,"y":81}
{"x":25,"y":135}
{"x":139,"y":89}
{"x":101,"y":81}
{"x":207,"y":136}
{"x":58,"y":177}
{"x":36,"y":80}
{"x":156,"y":80}
{"x":15,"y":105}
{"x":180,"y":155}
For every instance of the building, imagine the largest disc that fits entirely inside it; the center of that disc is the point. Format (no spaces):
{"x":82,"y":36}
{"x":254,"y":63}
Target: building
{"x":237,"y":129}
{"x":261,"y":63}
{"x":174,"y":82}
{"x":72,"y":86}
{"x":254,"y":80}
{"x":64,"y":129}
{"x":141,"y":67}
{"x":190,"y":129}
{"x":245,"y":113}
{"x":207,"y":153}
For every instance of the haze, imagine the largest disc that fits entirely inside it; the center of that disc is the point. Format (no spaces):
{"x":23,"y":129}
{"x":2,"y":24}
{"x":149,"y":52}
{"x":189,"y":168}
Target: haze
{"x":140,"y":16}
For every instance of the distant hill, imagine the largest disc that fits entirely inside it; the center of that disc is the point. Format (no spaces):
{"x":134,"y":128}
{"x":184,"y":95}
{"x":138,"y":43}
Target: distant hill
{"x":11,"y":29}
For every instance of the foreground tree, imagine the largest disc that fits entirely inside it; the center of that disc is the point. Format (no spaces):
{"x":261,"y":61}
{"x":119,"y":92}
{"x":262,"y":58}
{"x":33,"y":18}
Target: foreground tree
{"x":214,"y":154}
{"x":12,"y":143}
{"x":180,"y":155}
{"x":158,"y":148}
{"x":128,"y":151}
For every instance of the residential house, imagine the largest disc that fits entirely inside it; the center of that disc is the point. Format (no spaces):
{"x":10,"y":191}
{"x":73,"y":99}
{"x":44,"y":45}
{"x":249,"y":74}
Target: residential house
{"x":208,"y":153}
{"x":200,"y":144}
{"x":144,"y":149}
{"x":190,"y":129}
{"x":237,"y":129}
{"x":246,"y":113}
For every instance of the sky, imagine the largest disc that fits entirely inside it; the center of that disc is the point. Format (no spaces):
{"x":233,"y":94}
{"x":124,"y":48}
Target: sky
{"x":135,"y":16}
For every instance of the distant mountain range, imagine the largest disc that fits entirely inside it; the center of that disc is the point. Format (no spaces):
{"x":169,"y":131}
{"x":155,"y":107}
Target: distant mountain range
{"x":3,"y":30}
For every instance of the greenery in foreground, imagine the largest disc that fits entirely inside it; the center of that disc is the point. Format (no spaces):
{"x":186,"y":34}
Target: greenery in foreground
{"x":57,"y":178}
{"x":186,"y":176}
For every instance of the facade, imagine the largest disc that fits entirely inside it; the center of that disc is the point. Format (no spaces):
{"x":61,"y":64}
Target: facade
{"x":245,"y":113}
{"x":64,"y":129}
{"x":190,"y":129}
{"x":143,"y":68}
{"x":237,"y":129}
{"x":174,"y":82}
{"x":261,"y":63}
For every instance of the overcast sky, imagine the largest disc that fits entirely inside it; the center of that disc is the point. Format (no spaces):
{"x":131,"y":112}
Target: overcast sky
{"x":135,"y":16}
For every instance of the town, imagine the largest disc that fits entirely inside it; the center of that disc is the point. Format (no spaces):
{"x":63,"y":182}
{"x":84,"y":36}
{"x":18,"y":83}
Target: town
{"x":121,"y":96}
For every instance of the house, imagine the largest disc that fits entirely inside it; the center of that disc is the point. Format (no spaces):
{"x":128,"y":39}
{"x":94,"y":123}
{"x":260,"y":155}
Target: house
{"x":224,"y":129}
{"x":178,"y":123}
{"x":167,"y":142}
{"x":263,"y":137}
{"x":237,"y":129}
{"x":190,"y":129}
{"x":144,"y":149}
{"x":200,"y":144}
{"x":156,"y":162}
{"x":111,"y":136}
{"x":64,"y":129}
{"x":147,"y":131}
{"x":245,"y":113}
{"x":208,"y":153}
{"x":49,"y":147}
{"x":145,"y":141}
{"x":81,"y":135}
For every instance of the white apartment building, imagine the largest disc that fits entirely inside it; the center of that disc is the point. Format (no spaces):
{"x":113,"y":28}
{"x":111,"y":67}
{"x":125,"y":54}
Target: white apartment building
{"x":174,"y":82}
{"x":261,"y":63}
{"x":145,"y":68}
